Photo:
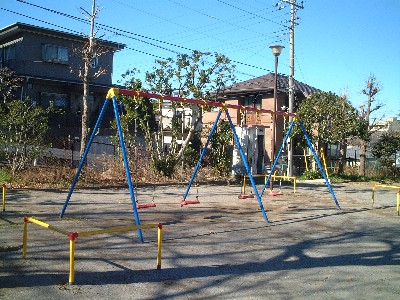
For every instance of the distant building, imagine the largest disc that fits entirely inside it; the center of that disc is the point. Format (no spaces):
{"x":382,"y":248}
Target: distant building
{"x":255,"y":131}
{"x":185,"y":116}
{"x":46,"y":59}
{"x":388,"y":125}
{"x":391,"y":124}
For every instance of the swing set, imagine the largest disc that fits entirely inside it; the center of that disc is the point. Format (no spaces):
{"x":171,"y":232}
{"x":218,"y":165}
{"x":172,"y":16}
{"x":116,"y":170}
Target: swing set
{"x":112,"y":95}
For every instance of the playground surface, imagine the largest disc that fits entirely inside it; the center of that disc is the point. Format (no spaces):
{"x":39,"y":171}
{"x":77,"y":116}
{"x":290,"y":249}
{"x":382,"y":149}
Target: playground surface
{"x":221,"y":248}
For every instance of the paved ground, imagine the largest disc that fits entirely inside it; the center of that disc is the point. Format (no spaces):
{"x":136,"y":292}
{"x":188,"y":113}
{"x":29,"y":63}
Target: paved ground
{"x":222,"y":248}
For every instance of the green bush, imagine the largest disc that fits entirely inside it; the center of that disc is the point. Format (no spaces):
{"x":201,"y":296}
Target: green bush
{"x":5,"y":176}
{"x":309,"y":175}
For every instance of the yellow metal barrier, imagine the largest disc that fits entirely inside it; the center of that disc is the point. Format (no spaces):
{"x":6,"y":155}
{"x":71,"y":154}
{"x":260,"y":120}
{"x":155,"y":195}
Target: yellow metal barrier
{"x":74,"y":235}
{"x":4,"y":197}
{"x":324,"y":161}
{"x":274,"y":177}
{"x":387,"y":187}
{"x":284,"y":177}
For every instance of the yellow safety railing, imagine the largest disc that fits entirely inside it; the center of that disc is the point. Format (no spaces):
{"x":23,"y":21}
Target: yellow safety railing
{"x":285,"y":177}
{"x":324,"y":162}
{"x":323,"y":159}
{"x":305,"y":158}
{"x":274,"y":177}
{"x":74,"y":235}
{"x":387,"y":187}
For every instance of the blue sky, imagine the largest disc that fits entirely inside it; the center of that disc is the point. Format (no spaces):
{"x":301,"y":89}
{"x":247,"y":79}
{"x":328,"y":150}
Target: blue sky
{"x":338,"y":43}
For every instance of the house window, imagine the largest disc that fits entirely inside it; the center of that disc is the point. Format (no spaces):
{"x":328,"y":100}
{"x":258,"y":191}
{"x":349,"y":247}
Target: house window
{"x":55,"y":54}
{"x":252,"y":101}
{"x":7,"y":54}
{"x":59,"y":101}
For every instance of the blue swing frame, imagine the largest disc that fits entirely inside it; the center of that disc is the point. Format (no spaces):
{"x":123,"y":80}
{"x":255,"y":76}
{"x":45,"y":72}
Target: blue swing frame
{"x":125,"y":159}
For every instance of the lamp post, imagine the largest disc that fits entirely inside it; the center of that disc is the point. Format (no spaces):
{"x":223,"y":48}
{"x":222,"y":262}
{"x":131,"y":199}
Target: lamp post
{"x":276,"y":51}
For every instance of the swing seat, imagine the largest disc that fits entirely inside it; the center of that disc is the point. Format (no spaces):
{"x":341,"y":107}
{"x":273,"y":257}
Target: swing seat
{"x":187,"y":202}
{"x":145,"y":205}
{"x":246,"y":196}
{"x":272,"y":193}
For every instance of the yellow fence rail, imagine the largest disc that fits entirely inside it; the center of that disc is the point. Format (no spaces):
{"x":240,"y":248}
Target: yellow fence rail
{"x":274,"y":177}
{"x":383,"y":186}
{"x":74,"y":235}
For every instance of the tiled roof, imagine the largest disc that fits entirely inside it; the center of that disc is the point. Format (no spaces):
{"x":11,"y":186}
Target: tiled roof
{"x":15,"y":28}
{"x":265,"y":83}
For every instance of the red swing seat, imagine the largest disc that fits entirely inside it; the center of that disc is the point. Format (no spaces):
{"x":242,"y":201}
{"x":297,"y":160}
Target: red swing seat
{"x":246,"y":196}
{"x":187,"y":202}
{"x":146,"y":205}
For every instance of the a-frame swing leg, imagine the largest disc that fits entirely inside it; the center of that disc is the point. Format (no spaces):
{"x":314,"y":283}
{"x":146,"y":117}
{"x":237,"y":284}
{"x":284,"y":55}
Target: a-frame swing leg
{"x":319,"y":163}
{"x":183,"y":202}
{"x":253,"y":184}
{"x":127,"y":171}
{"x":122,"y":145}
{"x":83,"y":159}
{"x":277,"y":158}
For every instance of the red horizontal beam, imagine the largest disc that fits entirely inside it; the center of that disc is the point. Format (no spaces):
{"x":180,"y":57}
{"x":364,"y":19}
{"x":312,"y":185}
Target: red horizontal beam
{"x":201,"y":102}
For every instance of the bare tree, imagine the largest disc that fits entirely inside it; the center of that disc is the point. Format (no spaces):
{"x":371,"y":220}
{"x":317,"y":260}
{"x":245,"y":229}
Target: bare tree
{"x":89,"y":52}
{"x":372,"y":87}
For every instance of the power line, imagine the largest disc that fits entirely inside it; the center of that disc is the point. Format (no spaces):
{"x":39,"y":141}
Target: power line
{"x":197,"y":32}
{"x":118,"y":32}
{"x":39,"y":20}
{"x":73,"y":31}
{"x":251,"y":13}
{"x":130,"y":48}
{"x":218,"y":19}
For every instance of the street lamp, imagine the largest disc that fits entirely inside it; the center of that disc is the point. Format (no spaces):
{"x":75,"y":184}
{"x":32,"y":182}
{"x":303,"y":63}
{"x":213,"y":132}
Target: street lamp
{"x":276,"y":51}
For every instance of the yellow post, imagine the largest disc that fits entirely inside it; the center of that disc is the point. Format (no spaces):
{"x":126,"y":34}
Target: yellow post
{"x":4,"y":197}
{"x":159,"y":246}
{"x":72,"y":237}
{"x":294,"y":185}
{"x":25,"y":237}
{"x":373,"y":195}
{"x":305,"y":158}
{"x":324,"y":161}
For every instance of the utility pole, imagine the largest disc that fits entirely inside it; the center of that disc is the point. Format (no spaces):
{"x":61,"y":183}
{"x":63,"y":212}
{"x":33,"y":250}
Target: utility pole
{"x":293,"y":8}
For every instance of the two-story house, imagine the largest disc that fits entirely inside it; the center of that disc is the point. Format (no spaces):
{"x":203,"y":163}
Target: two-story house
{"x":255,"y":130}
{"x":49,"y":61}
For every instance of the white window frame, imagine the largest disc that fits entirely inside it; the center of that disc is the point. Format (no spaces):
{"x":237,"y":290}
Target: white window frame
{"x":60,"y":54}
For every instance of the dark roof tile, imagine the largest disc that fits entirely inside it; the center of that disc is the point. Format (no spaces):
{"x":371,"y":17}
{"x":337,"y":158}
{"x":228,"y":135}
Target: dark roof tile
{"x":265,"y":83}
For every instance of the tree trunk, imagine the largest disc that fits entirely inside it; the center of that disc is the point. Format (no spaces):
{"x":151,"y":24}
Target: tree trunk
{"x":87,"y":59}
{"x":85,"y":111}
{"x":342,"y":159}
{"x":363,"y":150}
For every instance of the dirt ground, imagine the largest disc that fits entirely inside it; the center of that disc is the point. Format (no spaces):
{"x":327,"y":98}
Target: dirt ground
{"x":222,"y":248}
